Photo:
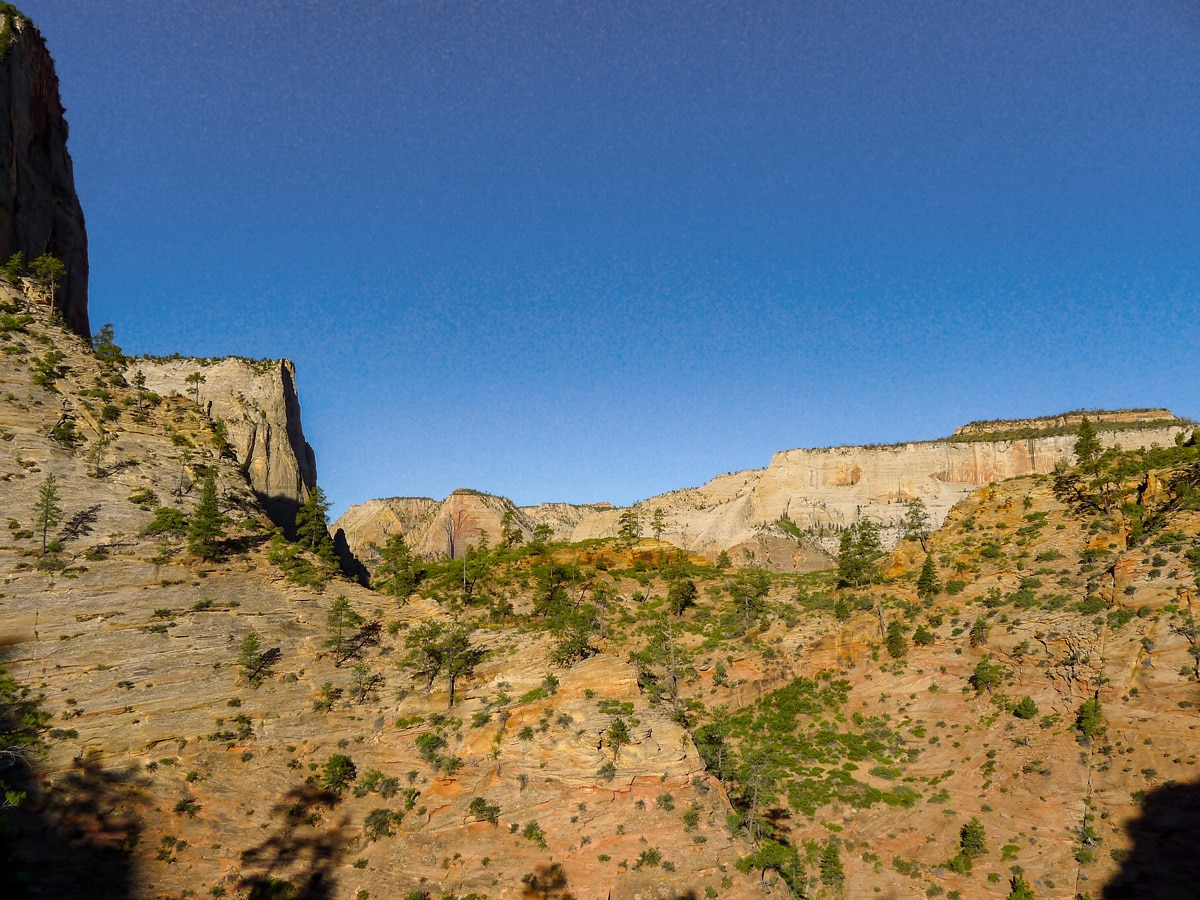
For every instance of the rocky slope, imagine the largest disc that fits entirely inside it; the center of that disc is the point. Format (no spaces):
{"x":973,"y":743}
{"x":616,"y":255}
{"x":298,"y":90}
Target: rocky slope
{"x":775,"y":730}
{"x":435,"y":528}
{"x":168,"y":772}
{"x":39,"y":210}
{"x":256,"y":400}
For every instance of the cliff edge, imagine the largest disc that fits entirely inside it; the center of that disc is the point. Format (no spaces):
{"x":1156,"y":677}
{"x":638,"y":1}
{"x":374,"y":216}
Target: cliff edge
{"x":257,"y":403}
{"x":39,"y":209}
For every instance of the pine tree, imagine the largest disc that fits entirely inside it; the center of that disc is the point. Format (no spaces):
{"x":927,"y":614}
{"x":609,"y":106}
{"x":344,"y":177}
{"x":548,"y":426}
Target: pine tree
{"x":341,"y":620}
{"x":1089,"y":720}
{"x":927,"y":583}
{"x":397,"y":571}
{"x":617,"y":736}
{"x":972,"y":839}
{"x":511,"y":534}
{"x":207,"y":527}
{"x":105,"y":347}
{"x":194,"y":381}
{"x":1087,"y":447}
{"x":858,"y":554}
{"x":1020,"y":889}
{"x":658,"y":523}
{"x":49,"y":271}
{"x":629,"y":525}
{"x":915,"y":525}
{"x":46,"y":511}
{"x":14,"y":268}
{"x":312,"y":525}
{"x":832,"y":873}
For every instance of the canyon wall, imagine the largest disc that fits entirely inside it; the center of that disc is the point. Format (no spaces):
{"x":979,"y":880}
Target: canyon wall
{"x":39,"y":210}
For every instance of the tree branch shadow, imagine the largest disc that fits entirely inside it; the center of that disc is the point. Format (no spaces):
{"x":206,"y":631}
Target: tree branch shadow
{"x":73,"y":839}
{"x":300,"y":858}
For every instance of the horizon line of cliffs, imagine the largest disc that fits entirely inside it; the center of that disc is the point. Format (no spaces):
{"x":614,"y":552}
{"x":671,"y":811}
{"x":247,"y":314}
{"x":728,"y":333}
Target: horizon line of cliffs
{"x":819,"y":490}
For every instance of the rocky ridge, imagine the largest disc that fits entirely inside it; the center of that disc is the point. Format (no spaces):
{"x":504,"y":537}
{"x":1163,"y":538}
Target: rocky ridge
{"x":167,"y":771}
{"x":772,"y":723}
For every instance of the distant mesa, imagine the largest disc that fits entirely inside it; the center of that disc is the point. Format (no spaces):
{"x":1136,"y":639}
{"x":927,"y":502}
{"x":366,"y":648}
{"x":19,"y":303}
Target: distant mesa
{"x":785,"y":517}
{"x":1103,"y":420}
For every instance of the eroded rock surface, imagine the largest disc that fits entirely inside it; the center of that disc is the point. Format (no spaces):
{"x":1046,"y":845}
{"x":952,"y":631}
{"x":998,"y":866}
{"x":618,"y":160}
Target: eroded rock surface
{"x":785,"y":516}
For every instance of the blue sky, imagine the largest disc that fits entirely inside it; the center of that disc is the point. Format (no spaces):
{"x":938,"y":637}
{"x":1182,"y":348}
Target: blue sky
{"x":585,"y":252}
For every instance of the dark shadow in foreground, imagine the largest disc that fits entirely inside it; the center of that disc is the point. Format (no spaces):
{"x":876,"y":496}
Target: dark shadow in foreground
{"x":73,"y":840}
{"x":1164,"y":862}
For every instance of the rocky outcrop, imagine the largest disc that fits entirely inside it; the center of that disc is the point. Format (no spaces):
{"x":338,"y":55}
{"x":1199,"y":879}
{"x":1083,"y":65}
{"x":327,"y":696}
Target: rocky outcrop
{"x":786,"y":516}
{"x":256,"y":400}
{"x":39,"y":210}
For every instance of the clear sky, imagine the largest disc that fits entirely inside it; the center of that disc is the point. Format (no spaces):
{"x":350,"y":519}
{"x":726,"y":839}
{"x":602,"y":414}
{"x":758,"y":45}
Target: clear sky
{"x":595,"y":251}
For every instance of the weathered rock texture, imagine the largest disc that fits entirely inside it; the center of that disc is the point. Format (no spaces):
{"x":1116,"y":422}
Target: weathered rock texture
{"x":39,"y":210}
{"x":256,"y":399}
{"x":1104,"y":419}
{"x":167,"y":774}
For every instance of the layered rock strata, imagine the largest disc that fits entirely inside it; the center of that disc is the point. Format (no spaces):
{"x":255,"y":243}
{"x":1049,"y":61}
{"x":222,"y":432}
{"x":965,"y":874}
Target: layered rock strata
{"x":786,"y":516}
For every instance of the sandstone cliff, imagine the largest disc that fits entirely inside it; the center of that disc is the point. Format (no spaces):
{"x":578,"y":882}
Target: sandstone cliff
{"x":39,"y":210}
{"x":257,"y":402}
{"x":827,"y":489}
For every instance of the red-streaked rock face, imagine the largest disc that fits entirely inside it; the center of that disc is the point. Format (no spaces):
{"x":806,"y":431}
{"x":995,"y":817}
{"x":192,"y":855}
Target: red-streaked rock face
{"x":39,"y":210}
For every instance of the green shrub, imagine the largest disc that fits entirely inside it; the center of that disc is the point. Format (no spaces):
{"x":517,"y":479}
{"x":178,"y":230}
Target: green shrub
{"x":1026,"y":709}
{"x":378,"y":823}
{"x":338,"y":772}
{"x":484,"y":811}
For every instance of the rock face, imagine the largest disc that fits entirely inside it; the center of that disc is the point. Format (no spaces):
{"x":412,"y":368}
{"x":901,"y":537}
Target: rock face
{"x":257,"y":402}
{"x":1111,"y":419}
{"x":39,"y":210}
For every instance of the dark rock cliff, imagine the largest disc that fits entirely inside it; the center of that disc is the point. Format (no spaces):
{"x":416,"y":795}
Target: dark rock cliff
{"x":39,"y":210}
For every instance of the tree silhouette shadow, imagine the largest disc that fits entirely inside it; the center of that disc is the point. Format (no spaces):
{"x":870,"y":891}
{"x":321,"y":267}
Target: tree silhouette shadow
{"x":300,"y":853}
{"x":73,"y":839}
{"x":1164,"y":862}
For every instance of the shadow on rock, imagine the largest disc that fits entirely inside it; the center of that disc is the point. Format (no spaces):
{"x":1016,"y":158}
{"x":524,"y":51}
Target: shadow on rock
{"x":74,"y":838}
{"x":299,"y":860}
{"x":1164,"y":862}
{"x":546,"y":883}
